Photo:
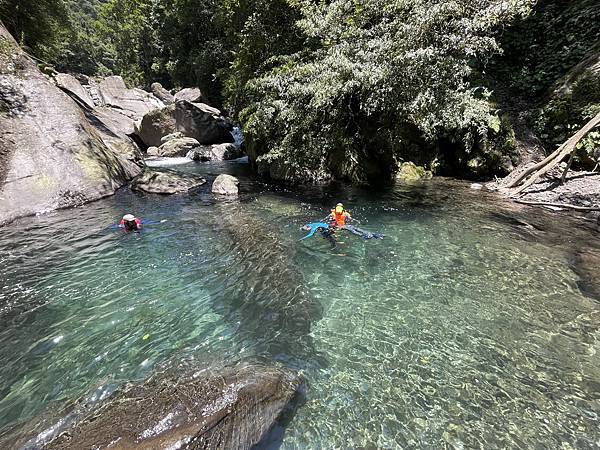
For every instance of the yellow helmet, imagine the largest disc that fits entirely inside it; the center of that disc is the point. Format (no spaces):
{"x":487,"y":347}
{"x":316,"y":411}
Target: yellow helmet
{"x":339,"y":208}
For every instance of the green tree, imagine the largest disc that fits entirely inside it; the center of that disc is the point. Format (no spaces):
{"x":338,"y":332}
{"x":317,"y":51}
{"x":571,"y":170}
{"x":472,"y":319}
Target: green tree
{"x":38,"y":25}
{"x":375,"y":82}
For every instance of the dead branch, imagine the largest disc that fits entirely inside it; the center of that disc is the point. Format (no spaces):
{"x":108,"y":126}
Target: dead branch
{"x":554,"y":159}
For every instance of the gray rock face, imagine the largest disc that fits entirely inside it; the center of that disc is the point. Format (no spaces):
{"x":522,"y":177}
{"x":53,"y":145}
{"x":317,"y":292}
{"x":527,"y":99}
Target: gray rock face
{"x":152,"y":151}
{"x":225,"y":185}
{"x":133,"y":102}
{"x":192,"y":95}
{"x":168,"y":137}
{"x":230,"y":408}
{"x":202,"y":122}
{"x":51,"y":155}
{"x":178,"y":147}
{"x":156,"y":124}
{"x":216,"y":152}
{"x":195,"y":120}
{"x":162,"y":94}
{"x":72,"y":85}
{"x":165,"y":181}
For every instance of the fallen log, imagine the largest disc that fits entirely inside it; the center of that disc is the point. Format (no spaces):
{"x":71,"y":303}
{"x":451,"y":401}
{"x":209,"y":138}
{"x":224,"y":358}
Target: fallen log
{"x":532,"y":174}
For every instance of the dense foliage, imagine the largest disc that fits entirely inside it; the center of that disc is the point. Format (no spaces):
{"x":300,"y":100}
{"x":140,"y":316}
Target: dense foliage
{"x":343,"y":88}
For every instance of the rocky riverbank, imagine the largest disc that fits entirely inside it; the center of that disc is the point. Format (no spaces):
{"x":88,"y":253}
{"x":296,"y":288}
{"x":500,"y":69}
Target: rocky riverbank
{"x":69,"y":139}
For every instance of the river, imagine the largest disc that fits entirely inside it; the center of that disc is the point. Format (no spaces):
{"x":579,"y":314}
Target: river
{"x":467,"y":326}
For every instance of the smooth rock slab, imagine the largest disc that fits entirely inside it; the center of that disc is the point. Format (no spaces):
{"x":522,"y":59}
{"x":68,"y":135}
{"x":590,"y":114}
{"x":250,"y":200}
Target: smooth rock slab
{"x":165,"y":181}
{"x":225,"y":185}
{"x":233,"y":408}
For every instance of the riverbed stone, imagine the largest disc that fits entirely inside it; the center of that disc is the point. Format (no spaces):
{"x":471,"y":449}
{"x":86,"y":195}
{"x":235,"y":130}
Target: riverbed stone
{"x":166,"y":181}
{"x":178,"y":147}
{"x":230,"y":408}
{"x":226,"y":185}
{"x":587,"y":266}
{"x":171,"y":136}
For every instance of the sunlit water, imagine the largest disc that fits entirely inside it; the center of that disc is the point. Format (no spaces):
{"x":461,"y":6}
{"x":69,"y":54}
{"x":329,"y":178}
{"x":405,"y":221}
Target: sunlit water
{"x":463,"y":328}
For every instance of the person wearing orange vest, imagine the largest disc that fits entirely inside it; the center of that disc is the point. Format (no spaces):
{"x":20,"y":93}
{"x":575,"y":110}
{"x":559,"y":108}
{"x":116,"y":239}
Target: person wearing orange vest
{"x":340,"y":218}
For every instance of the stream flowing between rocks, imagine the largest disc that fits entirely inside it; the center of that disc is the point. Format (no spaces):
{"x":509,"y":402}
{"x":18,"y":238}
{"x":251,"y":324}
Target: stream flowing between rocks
{"x":472,"y":324}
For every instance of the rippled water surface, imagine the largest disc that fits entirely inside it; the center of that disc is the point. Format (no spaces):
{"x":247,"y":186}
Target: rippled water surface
{"x":469,"y":325}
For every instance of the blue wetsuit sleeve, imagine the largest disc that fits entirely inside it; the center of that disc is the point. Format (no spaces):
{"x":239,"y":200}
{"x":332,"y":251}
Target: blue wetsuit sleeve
{"x":312,"y":232}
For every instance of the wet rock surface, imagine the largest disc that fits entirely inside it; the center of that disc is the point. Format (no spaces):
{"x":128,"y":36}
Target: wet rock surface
{"x":165,"y":181}
{"x":230,"y":408}
{"x":225,"y":185}
{"x":587,"y":266}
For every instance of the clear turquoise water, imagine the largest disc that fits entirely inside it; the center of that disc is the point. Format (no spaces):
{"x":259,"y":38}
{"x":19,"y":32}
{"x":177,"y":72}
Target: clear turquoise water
{"x":463,"y":328}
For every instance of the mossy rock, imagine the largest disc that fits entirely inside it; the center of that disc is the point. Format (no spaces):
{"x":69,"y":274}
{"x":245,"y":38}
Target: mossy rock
{"x":409,"y":173}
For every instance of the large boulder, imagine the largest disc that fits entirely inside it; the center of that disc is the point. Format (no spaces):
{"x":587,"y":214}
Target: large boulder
{"x":192,"y":95}
{"x":409,"y":172}
{"x":162,"y":94}
{"x":132,"y":102}
{"x":228,"y":408}
{"x":178,"y":147}
{"x":216,"y":152}
{"x":196,"y":120}
{"x":202,"y":122}
{"x":165,"y":181}
{"x":225,"y":185}
{"x":73,"y":87}
{"x":156,"y":124}
{"x":51,"y":155}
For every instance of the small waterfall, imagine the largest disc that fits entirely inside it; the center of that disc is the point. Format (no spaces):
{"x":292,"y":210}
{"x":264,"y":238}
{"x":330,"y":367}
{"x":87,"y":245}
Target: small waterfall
{"x":238,"y":137}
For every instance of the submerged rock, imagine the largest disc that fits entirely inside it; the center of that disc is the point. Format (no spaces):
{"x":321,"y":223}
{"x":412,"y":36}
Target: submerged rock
{"x":225,"y":185}
{"x":51,"y":154}
{"x":231,"y":408}
{"x":587,"y":266}
{"x":178,"y":147}
{"x":165,"y":181}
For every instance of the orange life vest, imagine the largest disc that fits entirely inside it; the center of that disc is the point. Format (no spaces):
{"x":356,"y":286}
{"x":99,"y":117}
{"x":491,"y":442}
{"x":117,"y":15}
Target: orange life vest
{"x":340,"y":219}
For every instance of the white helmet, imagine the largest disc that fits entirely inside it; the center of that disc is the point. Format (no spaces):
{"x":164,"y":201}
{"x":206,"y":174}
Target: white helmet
{"x":128,"y":217}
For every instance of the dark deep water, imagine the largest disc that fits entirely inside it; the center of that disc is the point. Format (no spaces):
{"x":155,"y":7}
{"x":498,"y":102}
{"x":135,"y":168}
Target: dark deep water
{"x":467,"y":326}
